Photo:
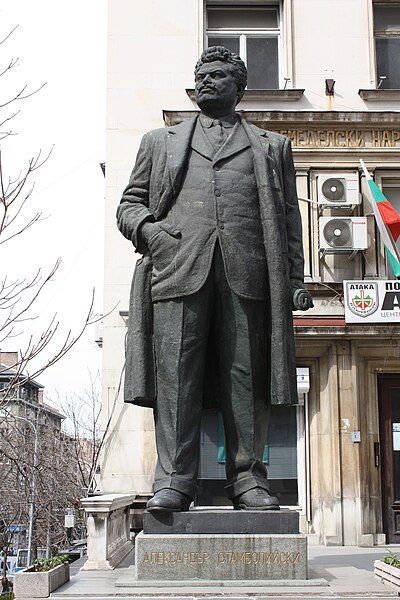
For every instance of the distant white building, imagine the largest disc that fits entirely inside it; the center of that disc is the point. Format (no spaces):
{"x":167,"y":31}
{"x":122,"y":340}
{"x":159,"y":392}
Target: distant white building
{"x":327,"y":74}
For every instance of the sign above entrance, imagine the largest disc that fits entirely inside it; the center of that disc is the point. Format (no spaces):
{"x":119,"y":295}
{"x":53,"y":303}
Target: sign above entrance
{"x":372,"y":301}
{"x":343,"y":138}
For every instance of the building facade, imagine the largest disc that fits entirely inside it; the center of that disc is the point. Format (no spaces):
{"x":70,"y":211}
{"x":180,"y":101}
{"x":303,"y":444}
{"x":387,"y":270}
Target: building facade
{"x":30,"y":432}
{"x":326,"y":73}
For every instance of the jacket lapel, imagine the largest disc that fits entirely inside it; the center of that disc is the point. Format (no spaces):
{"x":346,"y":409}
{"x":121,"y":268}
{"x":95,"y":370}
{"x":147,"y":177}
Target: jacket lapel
{"x":264,"y":166}
{"x":258,"y":139}
{"x":178,"y":144}
{"x":201,"y":144}
{"x":179,"y":140}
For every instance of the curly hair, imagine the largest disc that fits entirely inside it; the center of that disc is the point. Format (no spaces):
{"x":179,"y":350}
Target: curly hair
{"x":221,"y":53}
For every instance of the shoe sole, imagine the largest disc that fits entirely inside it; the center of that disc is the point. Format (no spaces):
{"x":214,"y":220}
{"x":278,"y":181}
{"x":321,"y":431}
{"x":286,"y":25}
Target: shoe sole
{"x":166,"y":510}
{"x":244,"y":507}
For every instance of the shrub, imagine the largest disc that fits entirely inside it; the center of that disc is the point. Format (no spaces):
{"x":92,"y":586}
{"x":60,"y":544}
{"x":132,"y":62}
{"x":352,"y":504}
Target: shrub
{"x":45,"y":564}
{"x":391,"y":559}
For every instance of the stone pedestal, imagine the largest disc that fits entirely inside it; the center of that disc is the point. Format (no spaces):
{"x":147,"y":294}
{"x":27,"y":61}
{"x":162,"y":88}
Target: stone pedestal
{"x":203,"y":546}
{"x":216,"y":557}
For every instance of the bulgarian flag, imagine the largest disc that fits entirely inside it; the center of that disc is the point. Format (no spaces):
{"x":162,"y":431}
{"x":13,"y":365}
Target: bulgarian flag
{"x":388,"y":221}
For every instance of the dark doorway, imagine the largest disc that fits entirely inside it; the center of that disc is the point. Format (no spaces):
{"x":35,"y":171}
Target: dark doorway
{"x":389,"y":425}
{"x":280,"y":458}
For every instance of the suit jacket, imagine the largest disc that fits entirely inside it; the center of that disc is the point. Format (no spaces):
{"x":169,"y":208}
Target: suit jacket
{"x":154,"y":184}
{"x":217,"y":200}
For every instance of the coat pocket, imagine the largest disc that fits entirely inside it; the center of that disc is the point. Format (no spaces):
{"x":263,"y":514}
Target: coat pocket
{"x":163,"y":248}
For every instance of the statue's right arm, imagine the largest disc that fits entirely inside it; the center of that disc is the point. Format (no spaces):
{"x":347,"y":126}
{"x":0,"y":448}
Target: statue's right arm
{"x":134,"y":219}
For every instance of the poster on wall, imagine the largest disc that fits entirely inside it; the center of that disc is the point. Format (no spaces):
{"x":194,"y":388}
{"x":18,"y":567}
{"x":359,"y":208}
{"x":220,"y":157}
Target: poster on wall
{"x":372,"y":301}
{"x":396,"y":437}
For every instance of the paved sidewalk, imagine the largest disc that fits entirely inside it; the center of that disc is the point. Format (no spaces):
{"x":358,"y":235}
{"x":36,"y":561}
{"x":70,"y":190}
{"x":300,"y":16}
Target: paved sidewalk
{"x":334,"y":572}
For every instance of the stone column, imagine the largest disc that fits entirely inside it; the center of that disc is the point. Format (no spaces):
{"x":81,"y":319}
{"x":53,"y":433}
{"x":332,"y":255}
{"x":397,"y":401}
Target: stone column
{"x":349,"y":450}
{"x":325,"y":449}
{"x":302,"y":192}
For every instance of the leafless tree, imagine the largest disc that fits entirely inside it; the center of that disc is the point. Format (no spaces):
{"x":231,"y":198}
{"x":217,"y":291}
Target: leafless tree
{"x":82,"y":431}
{"x":42,"y":467}
{"x":18,"y":297}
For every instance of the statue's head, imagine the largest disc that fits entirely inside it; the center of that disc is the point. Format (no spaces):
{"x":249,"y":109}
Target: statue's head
{"x":220,"y":78}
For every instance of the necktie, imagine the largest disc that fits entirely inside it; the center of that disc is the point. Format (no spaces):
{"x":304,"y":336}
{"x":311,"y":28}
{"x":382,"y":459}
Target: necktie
{"x":218,"y":133}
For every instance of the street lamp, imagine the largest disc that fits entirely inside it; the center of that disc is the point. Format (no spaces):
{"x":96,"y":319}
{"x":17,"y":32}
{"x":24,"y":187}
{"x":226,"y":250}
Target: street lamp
{"x":33,"y":489}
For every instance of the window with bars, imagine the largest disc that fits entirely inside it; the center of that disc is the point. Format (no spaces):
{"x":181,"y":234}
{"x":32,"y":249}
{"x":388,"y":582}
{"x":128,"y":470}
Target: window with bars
{"x":387,"y":44}
{"x":253,"y":32}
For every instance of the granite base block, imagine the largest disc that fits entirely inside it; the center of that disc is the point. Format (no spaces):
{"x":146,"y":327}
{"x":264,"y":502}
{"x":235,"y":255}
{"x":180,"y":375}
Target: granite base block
{"x":206,"y":557}
{"x":222,"y":521}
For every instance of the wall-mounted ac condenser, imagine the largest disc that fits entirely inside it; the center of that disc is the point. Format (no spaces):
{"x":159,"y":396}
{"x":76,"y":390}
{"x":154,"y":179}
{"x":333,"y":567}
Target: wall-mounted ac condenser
{"x":338,"y":189}
{"x":343,"y":233}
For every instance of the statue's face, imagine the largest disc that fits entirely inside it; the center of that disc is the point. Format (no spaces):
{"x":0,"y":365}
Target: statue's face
{"x":216,"y":89}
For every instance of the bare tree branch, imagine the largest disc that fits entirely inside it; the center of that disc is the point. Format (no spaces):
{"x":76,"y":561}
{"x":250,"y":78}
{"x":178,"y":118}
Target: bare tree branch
{"x":43,"y":466}
{"x":21,"y":96}
{"x":9,"y":35}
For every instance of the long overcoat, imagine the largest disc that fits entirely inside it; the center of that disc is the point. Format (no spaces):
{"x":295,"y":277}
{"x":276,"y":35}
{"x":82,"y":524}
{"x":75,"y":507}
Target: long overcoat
{"x":154,"y":183}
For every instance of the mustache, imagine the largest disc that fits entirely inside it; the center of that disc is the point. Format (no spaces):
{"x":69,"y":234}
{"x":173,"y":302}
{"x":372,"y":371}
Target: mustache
{"x":207,"y":87}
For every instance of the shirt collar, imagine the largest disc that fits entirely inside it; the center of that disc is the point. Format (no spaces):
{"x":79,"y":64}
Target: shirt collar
{"x":227,"y":121}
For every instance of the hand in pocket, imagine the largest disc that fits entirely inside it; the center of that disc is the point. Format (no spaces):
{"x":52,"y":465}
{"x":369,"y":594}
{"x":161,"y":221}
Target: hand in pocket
{"x":163,"y":245}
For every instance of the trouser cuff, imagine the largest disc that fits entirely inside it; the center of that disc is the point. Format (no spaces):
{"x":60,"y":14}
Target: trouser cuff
{"x":244,"y":485}
{"x":174,"y":483}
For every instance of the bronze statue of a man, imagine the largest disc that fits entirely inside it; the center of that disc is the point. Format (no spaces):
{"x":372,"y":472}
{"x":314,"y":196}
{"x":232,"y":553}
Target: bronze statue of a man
{"x":212,"y":206}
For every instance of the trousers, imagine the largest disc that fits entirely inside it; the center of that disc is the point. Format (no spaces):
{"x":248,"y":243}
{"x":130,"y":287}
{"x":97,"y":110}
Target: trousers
{"x":238,"y":329}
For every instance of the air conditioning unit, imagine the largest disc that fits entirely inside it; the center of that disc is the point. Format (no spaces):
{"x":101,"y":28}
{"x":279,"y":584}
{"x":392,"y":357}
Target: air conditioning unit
{"x":338,"y":189}
{"x":343,"y":233}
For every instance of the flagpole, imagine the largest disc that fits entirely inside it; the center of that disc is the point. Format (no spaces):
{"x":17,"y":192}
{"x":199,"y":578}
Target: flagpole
{"x":364,"y":168}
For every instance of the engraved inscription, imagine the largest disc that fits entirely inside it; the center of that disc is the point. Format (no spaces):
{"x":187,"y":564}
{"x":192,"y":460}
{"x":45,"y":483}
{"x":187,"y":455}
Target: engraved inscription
{"x":385,"y":139}
{"x":200,"y":558}
{"x":255,"y":558}
{"x":343,"y":138}
{"x":175,"y":558}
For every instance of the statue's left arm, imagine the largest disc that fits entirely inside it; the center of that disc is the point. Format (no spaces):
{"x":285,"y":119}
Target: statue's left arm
{"x":301,"y":298}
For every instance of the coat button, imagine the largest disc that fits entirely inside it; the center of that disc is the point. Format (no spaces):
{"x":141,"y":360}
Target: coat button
{"x":217,"y":193}
{"x":221,"y":226}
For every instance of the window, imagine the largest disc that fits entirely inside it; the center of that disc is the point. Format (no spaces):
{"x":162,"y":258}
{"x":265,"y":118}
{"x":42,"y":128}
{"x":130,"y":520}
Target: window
{"x":389,"y":182}
{"x":391,"y":189}
{"x":253,"y":32}
{"x":29,"y":393}
{"x":387,"y":44}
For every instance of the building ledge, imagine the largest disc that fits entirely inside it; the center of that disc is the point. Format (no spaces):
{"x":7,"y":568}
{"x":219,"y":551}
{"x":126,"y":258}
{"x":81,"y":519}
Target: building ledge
{"x":374,"y":95}
{"x":305,"y":118}
{"x":264,"y":95}
{"x":336,"y":328}
{"x":319,"y":321}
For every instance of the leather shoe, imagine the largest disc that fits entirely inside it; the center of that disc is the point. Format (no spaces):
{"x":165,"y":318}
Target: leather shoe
{"x":255,"y":499}
{"x":168,"y":500}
